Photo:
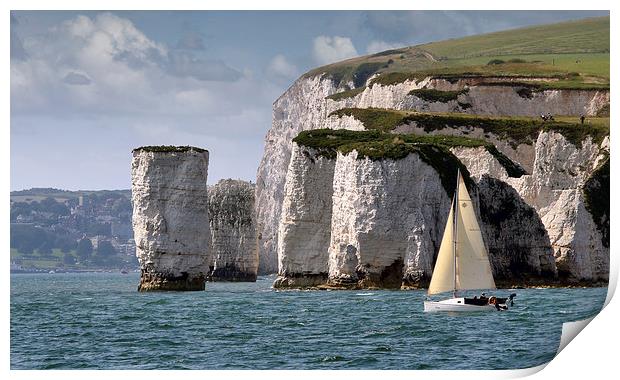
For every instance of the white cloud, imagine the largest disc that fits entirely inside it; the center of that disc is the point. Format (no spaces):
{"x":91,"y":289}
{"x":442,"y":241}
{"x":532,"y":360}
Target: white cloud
{"x":99,"y":84}
{"x":105,"y":65}
{"x":280,"y":68}
{"x":377,"y":46}
{"x":327,"y":49}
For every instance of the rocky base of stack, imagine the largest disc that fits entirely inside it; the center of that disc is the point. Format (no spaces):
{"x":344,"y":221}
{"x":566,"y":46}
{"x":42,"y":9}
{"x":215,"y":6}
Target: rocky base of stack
{"x":157,"y":281}
{"x":300,"y":280}
{"x":390,"y":277}
{"x":415,"y":280}
{"x":231,"y":273}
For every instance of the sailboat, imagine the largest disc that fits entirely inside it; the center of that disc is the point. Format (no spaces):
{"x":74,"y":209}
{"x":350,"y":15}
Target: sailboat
{"x":463,"y":262}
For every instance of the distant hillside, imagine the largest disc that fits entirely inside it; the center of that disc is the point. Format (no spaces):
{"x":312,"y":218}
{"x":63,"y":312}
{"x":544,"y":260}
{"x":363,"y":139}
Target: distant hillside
{"x":38,"y":193}
{"x":555,"y":50}
{"x":581,"y":36}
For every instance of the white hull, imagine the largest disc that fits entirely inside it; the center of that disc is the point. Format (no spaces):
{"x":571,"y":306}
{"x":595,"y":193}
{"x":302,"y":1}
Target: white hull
{"x":455,"y":305}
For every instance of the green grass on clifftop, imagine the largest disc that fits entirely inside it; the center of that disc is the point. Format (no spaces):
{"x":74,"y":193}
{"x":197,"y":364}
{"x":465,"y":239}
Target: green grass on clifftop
{"x":575,"y":52}
{"x":516,"y":130}
{"x":589,"y":35}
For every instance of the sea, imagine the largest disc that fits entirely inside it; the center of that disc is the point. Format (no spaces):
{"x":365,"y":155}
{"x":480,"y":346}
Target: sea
{"x":100,"y":321}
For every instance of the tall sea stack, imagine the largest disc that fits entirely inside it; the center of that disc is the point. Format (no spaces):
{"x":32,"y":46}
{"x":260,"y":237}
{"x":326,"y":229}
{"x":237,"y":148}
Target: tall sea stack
{"x":233,"y":231}
{"x":171,"y":217}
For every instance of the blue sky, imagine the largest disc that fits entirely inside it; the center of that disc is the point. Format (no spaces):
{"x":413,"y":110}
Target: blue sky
{"x":87,"y":87}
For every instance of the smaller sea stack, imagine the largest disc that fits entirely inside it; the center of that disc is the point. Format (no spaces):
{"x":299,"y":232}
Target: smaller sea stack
{"x":234,"y":245}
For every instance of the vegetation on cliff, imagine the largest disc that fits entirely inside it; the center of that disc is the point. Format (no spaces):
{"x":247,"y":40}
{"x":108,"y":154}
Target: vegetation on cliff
{"x":604,"y":111}
{"x":346,"y":94}
{"x":433,"y":95}
{"x":377,"y":145}
{"x":452,"y":74}
{"x":357,"y":73}
{"x":567,"y":55}
{"x":596,"y":192}
{"x":516,"y":130}
{"x":546,"y":76}
{"x":168,"y":149}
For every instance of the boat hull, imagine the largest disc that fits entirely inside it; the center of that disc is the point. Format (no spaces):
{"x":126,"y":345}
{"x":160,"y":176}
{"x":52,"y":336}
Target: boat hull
{"x":455,"y":305}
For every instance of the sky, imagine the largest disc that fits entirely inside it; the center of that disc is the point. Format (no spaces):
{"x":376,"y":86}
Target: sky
{"x":88,"y":87}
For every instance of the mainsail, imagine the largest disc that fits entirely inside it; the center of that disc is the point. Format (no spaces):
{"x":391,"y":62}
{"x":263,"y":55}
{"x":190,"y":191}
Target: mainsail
{"x":462,"y":262}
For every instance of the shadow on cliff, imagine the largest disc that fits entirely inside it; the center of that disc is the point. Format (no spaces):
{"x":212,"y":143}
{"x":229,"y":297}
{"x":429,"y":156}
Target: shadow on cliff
{"x":518,"y":243}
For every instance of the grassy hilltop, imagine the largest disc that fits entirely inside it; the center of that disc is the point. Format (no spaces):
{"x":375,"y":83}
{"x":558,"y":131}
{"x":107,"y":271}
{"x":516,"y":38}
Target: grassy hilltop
{"x":575,"y":54}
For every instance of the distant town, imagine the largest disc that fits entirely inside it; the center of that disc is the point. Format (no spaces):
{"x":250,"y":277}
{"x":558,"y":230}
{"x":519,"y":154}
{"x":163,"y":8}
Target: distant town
{"x":56,"y":230}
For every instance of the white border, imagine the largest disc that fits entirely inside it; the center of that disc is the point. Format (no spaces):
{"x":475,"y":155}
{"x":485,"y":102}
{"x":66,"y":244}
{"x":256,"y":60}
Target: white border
{"x":592,"y":353}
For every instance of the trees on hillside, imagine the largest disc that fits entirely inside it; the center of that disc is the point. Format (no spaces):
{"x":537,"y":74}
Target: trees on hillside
{"x":26,"y":238}
{"x":45,"y":249}
{"x":84,"y":249}
{"x":68,"y":259}
{"x":106,"y":249}
{"x":106,"y":253}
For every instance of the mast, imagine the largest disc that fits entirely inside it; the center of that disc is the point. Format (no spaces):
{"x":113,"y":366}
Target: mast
{"x":454,"y":226}
{"x":462,"y":261}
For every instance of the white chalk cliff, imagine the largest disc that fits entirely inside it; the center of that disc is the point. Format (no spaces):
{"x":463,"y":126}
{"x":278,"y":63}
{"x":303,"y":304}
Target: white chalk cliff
{"x":304,"y":230}
{"x":347,"y":220}
{"x":387,"y":215}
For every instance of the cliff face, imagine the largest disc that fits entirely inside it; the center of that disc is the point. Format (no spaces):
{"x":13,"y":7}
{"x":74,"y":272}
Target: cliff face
{"x":304,"y":231}
{"x":519,"y":247}
{"x":300,"y":108}
{"x":170,"y":217}
{"x":552,"y":188}
{"x":349,"y":222}
{"x":352,"y":222}
{"x":556,"y":190}
{"x":386,"y":222}
{"x":493,"y":96}
{"x":233,"y":231}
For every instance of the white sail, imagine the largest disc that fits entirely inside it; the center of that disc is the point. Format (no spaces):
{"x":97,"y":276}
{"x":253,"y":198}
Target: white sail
{"x":443,"y":274}
{"x":473,"y":270}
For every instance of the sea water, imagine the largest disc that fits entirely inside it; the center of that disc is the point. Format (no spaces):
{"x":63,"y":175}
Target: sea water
{"x":100,"y":321}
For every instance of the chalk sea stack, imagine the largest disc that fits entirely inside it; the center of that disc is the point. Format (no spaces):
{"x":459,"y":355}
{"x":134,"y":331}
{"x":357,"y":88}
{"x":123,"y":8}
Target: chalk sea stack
{"x":233,"y":231}
{"x":171,"y":217}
